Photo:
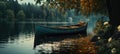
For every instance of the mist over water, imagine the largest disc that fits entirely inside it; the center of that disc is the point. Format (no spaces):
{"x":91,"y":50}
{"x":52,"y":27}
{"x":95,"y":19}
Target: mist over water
{"x":18,"y":38}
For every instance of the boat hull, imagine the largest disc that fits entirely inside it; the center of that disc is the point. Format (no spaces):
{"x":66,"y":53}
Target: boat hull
{"x":59,"y":31}
{"x":42,"y":32}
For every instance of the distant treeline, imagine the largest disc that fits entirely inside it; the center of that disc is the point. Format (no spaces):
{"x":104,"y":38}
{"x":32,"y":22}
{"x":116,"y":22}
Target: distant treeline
{"x":12,"y":10}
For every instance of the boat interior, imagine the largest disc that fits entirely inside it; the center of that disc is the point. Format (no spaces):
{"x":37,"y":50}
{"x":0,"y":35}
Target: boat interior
{"x":73,"y":26}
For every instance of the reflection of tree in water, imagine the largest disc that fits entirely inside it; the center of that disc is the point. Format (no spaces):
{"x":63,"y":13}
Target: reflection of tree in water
{"x":6,"y":28}
{"x":11,"y":31}
{"x":82,"y":45}
{"x":49,"y":44}
{"x":8,"y":31}
{"x":25,"y":28}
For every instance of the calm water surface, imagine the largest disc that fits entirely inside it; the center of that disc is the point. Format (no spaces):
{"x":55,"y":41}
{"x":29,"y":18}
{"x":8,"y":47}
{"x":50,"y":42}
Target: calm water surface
{"x":18,"y":38}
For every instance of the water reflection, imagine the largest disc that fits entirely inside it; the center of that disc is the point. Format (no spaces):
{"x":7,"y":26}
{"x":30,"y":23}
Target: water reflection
{"x":52,"y":44}
{"x":17,"y":38}
{"x":56,"y":47}
{"x":47,"y":48}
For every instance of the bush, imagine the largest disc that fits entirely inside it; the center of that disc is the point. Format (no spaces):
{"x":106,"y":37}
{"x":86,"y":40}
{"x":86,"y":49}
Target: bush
{"x":108,"y":47}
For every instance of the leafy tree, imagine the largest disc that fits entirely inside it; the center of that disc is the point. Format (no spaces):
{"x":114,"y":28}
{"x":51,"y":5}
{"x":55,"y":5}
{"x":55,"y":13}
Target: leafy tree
{"x":21,"y":15}
{"x":9,"y":4}
{"x":2,"y":8}
{"x":86,"y":7}
{"x":13,"y":5}
{"x":10,"y":15}
{"x":30,"y":9}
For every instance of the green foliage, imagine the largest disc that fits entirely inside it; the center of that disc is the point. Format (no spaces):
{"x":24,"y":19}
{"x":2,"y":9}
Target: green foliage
{"x":106,"y":47}
{"x":13,"y":5}
{"x":10,"y":15}
{"x":21,"y":15}
{"x":32,"y":11}
{"x":108,"y":42}
{"x":103,"y":29}
{"x":9,"y":4}
{"x":3,"y":7}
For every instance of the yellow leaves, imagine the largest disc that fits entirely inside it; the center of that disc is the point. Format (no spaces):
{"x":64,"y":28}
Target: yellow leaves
{"x":85,"y":6}
{"x":84,"y":45}
{"x":81,"y":45}
{"x":89,"y":6}
{"x":67,"y":4}
{"x":81,"y":0}
{"x":91,"y":1}
{"x":75,"y":1}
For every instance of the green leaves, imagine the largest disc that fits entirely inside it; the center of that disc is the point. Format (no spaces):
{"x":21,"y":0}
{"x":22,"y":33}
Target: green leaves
{"x":10,"y":15}
{"x":21,"y":15}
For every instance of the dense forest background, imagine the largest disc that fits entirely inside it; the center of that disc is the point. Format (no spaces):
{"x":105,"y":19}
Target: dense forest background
{"x":12,"y":10}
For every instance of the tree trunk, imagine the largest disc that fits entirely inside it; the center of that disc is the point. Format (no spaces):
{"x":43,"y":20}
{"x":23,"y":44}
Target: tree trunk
{"x":114,"y":11}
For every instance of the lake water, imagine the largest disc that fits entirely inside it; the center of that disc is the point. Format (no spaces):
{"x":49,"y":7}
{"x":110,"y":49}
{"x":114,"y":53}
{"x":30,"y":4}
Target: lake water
{"x":18,"y":38}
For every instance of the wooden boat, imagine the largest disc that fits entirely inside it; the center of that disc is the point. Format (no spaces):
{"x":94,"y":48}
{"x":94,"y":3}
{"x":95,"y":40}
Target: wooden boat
{"x":42,"y":32}
{"x":61,"y":30}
